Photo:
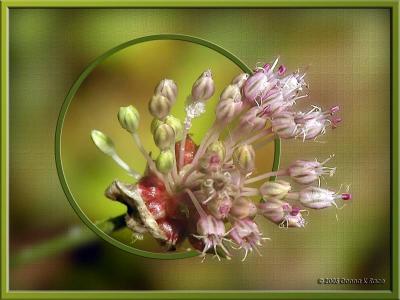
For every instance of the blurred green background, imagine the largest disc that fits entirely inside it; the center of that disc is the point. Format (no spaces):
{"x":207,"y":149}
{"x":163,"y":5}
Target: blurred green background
{"x":348,"y":59}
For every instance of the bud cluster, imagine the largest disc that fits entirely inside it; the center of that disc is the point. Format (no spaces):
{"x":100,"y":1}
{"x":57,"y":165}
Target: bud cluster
{"x":205,"y":193}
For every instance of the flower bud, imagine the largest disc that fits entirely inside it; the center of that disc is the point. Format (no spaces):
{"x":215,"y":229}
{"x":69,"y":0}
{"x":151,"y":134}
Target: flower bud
{"x":231,"y":92}
{"x":165,"y":161}
{"x":274,"y":210}
{"x":284,"y":125}
{"x":154,"y":125}
{"x":203,"y":88}
{"x":220,"y":208}
{"x":217,"y":148}
{"x":253,"y":120}
{"x":129,"y":118}
{"x":240,"y":80}
{"x":159,"y":106}
{"x":103,"y":142}
{"x":164,"y":136}
{"x":256,"y":88}
{"x":275,"y":189}
{"x":244,"y":158}
{"x":227,"y":110}
{"x":176,"y":124}
{"x":168,"y":89}
{"x":243,"y":208}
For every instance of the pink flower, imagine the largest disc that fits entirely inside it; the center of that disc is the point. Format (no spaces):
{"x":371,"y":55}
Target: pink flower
{"x":246,"y":234}
{"x":306,"y":172}
{"x":281,"y":213}
{"x":285,"y":126}
{"x":318,"y":198}
{"x":313,"y":123}
{"x":211,"y":232}
{"x":256,"y":88}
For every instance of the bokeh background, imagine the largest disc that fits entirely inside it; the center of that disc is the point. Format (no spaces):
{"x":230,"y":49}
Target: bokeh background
{"x":347,"y":56}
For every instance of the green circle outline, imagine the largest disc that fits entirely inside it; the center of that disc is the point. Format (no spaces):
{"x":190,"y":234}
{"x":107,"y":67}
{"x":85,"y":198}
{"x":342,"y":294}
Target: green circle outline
{"x":64,"y":109}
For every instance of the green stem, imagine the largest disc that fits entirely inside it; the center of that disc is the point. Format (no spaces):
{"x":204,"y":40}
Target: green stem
{"x":76,"y":236}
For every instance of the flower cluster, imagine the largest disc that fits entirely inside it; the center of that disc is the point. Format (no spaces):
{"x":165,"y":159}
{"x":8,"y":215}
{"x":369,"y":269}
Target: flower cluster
{"x":205,"y":193}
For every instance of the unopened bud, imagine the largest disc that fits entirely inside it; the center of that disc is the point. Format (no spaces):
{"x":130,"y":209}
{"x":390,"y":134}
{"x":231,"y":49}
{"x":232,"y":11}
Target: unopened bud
{"x":244,"y":158}
{"x":240,"y":79}
{"x":220,"y":208}
{"x":165,"y":161}
{"x":103,"y":142}
{"x":243,"y":208}
{"x":284,"y":125}
{"x":275,"y":189}
{"x":176,"y":124}
{"x":253,"y":120}
{"x":159,"y":106}
{"x":168,"y":89}
{"x":217,"y":148}
{"x":154,"y":125}
{"x":274,"y":210}
{"x":129,"y":118}
{"x":164,"y":136}
{"x":227,"y":110}
{"x":232,"y":91}
{"x":203,"y":88}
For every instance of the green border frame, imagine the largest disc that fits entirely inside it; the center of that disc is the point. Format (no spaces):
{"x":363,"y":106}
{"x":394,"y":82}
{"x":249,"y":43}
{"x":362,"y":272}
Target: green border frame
{"x":393,"y":5}
{"x":64,"y":110}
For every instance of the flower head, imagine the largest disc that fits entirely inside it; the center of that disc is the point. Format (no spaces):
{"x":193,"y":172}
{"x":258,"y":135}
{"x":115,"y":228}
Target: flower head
{"x":193,"y":191}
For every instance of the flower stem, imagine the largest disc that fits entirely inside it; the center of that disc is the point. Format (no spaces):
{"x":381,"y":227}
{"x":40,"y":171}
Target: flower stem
{"x":76,"y":236}
{"x":196,"y":204}
{"x":259,"y":135}
{"x":188,"y":124}
{"x":125,"y":166}
{"x":150,"y":162}
{"x":265,"y":176}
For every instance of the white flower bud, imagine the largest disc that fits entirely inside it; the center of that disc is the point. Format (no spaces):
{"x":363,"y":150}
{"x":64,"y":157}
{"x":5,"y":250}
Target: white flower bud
{"x":240,"y":80}
{"x":227,"y":110}
{"x":176,"y":124}
{"x":231,"y":92}
{"x":243,"y":208}
{"x":129,"y":118}
{"x":164,"y":137}
{"x":203,"y":88}
{"x":244,"y":158}
{"x":103,"y":142}
{"x":275,"y":189}
{"x":274,"y":210}
{"x":284,"y":125}
{"x":168,"y":89}
{"x":165,"y":161}
{"x":159,"y":106}
{"x":253,"y":120}
{"x":154,"y":125}
{"x":220,"y":208}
